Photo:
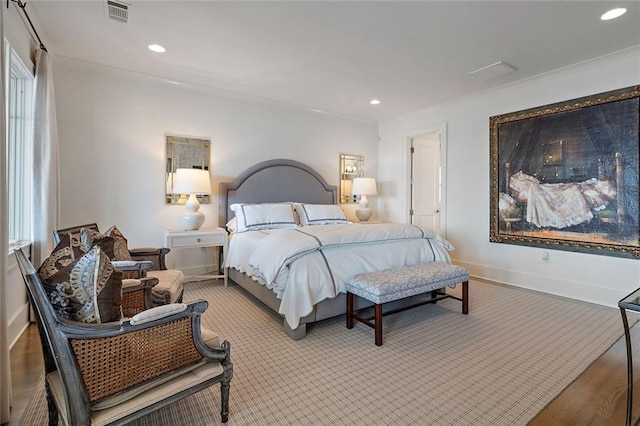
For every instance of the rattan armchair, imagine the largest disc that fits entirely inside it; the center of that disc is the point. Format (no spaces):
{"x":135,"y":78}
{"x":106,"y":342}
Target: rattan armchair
{"x":116,"y":372}
{"x":148,"y":262}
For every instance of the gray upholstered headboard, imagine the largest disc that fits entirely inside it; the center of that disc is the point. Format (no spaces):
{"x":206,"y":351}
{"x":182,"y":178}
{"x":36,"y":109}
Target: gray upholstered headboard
{"x":275,"y":181}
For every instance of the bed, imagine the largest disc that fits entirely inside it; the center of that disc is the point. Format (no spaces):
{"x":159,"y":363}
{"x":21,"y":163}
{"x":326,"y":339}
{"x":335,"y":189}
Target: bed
{"x":299,"y":271}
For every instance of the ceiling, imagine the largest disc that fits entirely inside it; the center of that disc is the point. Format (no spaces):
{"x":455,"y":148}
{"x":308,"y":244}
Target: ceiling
{"x":336,"y":56}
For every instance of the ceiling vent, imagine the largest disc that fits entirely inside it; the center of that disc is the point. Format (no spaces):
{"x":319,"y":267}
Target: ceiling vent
{"x":118,"y":11}
{"x":493,"y":70}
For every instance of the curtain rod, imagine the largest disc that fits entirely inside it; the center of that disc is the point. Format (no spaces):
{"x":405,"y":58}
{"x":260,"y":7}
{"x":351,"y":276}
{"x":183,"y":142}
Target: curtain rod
{"x":22,"y":6}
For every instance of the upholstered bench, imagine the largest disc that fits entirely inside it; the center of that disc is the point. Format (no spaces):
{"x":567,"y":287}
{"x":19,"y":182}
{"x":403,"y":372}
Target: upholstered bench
{"x":399,"y":283}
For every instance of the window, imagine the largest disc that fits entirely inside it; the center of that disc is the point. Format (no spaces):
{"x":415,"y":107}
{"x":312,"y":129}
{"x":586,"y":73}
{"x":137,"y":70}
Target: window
{"x":20,"y":148}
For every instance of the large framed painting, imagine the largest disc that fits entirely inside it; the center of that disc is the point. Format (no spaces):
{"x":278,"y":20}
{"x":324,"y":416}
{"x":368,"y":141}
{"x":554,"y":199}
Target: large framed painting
{"x":565,"y":176}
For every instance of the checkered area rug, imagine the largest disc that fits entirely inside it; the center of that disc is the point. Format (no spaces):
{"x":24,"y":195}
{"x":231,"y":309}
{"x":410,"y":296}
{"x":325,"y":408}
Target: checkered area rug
{"x":499,"y":365}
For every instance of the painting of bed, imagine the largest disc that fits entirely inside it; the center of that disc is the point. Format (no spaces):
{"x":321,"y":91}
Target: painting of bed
{"x":565,"y":176}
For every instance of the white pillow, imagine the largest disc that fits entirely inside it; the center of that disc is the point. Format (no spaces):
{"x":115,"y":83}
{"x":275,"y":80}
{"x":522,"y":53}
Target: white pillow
{"x":320,"y":214}
{"x":232,"y":225}
{"x":263,"y":216}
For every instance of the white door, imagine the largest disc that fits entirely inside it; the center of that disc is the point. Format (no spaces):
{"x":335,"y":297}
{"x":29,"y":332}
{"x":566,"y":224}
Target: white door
{"x":426,"y":181}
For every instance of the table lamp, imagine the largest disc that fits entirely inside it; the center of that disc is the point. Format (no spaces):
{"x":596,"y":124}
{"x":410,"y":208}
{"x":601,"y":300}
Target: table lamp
{"x":192,"y":182}
{"x":364,"y":187}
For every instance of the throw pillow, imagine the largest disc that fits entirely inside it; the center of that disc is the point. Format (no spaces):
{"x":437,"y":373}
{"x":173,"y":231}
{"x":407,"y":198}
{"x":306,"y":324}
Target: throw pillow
{"x":91,"y":237}
{"x":120,"y":247}
{"x":64,"y":254}
{"x":87,"y":290}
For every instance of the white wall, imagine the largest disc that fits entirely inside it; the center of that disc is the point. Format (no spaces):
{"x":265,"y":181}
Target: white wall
{"x":111,"y":127}
{"x":593,"y":278}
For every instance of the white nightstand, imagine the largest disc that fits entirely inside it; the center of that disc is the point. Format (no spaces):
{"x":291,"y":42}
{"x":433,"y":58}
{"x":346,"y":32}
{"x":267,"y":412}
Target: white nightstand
{"x":204,"y":237}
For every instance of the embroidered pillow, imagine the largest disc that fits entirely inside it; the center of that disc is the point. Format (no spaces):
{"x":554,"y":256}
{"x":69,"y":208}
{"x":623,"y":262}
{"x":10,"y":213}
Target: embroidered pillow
{"x":120,"y":247}
{"x":252,"y":217}
{"x":90,"y":237}
{"x":63,"y":255}
{"x":87,"y":290}
{"x":320,"y":214}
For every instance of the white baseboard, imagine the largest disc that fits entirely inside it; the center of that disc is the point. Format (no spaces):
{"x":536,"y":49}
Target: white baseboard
{"x":18,"y":324}
{"x":585,"y":292}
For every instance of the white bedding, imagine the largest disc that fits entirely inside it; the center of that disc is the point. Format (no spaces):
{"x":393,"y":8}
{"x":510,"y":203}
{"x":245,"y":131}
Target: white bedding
{"x":306,"y":265}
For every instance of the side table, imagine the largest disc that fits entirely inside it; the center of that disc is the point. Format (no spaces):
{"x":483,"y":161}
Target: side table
{"x":631,"y":303}
{"x":204,"y":237}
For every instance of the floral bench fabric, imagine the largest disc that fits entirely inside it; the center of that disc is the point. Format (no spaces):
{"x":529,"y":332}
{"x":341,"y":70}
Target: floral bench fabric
{"x":399,"y":283}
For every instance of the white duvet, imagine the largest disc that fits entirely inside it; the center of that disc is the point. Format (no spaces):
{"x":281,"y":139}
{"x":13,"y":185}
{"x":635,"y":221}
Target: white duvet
{"x":306,"y":265}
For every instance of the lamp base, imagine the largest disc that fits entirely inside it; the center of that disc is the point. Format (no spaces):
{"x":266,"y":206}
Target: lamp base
{"x":363,"y":214}
{"x":191,"y":221}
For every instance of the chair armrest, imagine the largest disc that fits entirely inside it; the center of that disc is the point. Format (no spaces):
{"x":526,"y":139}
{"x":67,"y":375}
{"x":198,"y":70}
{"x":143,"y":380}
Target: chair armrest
{"x":77,"y":330}
{"x":157,"y":313}
{"x":132,"y":284}
{"x":155,"y":255}
{"x":139,"y":352}
{"x":132,"y":265}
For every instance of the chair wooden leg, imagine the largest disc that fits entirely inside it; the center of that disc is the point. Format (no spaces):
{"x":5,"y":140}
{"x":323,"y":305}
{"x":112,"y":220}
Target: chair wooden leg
{"x":224,"y":399}
{"x":465,"y":297}
{"x":378,"y":323}
{"x":51,"y":406}
{"x":349,"y":310}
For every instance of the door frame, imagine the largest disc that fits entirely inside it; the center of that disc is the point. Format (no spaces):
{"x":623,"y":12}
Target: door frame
{"x":407,"y":136}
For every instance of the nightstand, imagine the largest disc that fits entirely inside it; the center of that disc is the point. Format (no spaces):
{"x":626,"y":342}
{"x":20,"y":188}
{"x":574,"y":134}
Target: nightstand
{"x":204,"y":237}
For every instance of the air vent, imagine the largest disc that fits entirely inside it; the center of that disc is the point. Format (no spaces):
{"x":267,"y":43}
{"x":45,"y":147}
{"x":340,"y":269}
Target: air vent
{"x":494,"y":70}
{"x":118,"y":11}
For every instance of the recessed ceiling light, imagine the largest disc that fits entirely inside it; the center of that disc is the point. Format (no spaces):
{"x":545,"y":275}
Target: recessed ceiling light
{"x":374,"y":102}
{"x":613,"y":13}
{"x":157,"y":48}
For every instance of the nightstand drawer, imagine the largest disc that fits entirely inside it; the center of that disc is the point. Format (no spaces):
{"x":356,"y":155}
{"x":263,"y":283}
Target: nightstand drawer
{"x":198,"y":240}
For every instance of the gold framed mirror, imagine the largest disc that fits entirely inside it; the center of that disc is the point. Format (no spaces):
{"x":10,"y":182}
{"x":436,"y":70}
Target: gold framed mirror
{"x":185,"y":152}
{"x":351,"y":167}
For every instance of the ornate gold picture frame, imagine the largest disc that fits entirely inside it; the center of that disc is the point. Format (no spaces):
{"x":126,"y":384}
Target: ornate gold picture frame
{"x":565,"y":176}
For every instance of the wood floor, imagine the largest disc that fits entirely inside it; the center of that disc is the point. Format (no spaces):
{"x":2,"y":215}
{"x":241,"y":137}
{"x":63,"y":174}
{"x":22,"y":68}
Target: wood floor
{"x":597,"y":397}
{"x":27,"y":366}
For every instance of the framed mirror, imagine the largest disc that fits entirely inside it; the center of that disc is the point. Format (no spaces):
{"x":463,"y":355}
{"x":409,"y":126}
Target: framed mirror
{"x":185,"y":152}
{"x":351,"y":167}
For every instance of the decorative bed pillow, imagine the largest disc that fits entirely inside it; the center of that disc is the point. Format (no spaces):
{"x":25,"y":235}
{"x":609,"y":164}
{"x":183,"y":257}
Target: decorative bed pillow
{"x":252,"y":217}
{"x":320,"y":214}
{"x":87,"y":290}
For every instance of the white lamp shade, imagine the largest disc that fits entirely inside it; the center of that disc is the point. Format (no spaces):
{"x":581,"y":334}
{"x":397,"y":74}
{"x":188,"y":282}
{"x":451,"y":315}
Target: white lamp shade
{"x":192,"y":181}
{"x":364,"y":186}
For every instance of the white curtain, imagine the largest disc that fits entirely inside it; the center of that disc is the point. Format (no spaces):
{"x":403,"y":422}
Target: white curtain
{"x":45,"y":161}
{"x":5,"y":370}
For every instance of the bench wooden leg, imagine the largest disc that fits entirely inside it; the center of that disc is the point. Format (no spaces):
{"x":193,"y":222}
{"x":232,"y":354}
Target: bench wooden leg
{"x":465,"y":297}
{"x":378,"y":323}
{"x":349,"y":310}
